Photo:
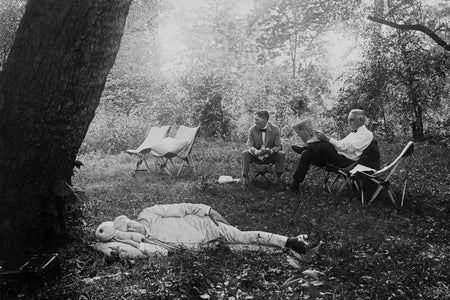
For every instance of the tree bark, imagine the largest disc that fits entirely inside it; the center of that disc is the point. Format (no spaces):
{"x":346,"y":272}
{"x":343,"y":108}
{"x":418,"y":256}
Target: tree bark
{"x":49,"y":89}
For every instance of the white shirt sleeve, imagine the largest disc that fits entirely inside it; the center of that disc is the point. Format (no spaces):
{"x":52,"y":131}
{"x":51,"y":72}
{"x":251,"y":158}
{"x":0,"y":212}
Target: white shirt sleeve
{"x":354,"y":143}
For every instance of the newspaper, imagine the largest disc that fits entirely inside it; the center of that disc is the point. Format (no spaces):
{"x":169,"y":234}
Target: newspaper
{"x":305,"y":130}
{"x":361,"y":168}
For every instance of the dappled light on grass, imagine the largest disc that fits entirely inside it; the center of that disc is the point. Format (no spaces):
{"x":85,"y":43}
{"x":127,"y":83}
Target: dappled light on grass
{"x":372,"y":252}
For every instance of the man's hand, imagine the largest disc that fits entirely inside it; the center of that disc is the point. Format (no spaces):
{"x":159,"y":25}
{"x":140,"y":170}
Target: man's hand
{"x":265,"y":151}
{"x":216,"y":217}
{"x":322,"y":136}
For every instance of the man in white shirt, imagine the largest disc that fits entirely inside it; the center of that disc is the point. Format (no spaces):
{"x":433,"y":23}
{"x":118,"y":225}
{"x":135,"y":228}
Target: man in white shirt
{"x":340,"y":153}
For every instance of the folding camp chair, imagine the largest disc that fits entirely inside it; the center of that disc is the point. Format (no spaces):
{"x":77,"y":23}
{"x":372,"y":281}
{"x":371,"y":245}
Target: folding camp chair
{"x":154,"y":136}
{"x":370,"y":158}
{"x":179,"y":146}
{"x":381,"y":177}
{"x":261,"y":168}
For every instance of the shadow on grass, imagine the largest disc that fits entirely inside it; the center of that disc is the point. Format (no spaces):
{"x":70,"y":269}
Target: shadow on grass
{"x":368,"y":252}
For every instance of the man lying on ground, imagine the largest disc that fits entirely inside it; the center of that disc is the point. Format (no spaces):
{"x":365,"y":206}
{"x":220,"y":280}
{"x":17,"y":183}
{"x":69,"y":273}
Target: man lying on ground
{"x":162,"y":228}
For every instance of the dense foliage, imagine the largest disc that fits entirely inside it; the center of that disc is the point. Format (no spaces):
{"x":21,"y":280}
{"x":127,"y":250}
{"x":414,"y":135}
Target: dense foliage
{"x":275,"y":56}
{"x":402,"y":81}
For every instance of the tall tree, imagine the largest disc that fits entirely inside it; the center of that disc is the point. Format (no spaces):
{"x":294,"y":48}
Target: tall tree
{"x":403,"y":76}
{"x":50,"y":87}
{"x":293,"y":28}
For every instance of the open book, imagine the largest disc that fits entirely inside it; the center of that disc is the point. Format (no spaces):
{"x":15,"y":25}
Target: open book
{"x":305,"y":130}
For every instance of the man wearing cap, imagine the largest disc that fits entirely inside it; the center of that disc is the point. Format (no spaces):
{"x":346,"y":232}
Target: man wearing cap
{"x":264,"y":145}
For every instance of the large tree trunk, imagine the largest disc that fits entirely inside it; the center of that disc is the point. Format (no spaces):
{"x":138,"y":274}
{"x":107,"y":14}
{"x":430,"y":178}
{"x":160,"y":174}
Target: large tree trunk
{"x":49,"y":89}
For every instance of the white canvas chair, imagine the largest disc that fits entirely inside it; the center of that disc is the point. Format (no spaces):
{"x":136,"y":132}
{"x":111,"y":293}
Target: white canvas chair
{"x":179,"y":146}
{"x":154,"y":136}
{"x":381,"y":177}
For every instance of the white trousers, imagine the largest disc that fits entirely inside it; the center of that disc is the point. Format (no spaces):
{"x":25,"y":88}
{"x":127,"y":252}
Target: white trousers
{"x":235,"y":236}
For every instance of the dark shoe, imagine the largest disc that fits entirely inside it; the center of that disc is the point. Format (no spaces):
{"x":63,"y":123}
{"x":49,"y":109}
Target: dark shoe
{"x":298,"y":149}
{"x":298,"y":244}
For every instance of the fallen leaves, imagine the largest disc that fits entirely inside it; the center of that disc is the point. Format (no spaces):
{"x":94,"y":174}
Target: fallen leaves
{"x":368,"y":253}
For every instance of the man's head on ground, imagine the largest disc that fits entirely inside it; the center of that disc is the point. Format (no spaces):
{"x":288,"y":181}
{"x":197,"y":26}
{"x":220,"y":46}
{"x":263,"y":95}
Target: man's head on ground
{"x":105,"y":231}
{"x":356,"y":119}
{"x":261,"y":118}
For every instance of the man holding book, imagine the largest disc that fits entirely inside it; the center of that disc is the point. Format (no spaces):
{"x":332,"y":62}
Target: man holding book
{"x":263,"y":145}
{"x":340,"y":153}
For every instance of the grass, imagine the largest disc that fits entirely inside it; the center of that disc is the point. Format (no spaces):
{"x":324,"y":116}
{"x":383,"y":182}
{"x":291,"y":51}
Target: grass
{"x":370,"y":252}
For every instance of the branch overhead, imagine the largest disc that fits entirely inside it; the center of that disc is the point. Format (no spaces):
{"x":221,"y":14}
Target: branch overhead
{"x":415,"y":27}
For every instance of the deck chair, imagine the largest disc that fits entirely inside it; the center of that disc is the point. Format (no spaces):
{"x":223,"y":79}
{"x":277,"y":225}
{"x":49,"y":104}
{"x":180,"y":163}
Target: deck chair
{"x":154,"y":136}
{"x":179,"y":146}
{"x":381,"y":177}
{"x":370,"y":158}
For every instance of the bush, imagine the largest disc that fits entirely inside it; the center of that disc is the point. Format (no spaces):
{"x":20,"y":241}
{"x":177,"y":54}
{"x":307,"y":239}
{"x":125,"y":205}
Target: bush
{"x":206,"y":93}
{"x":114,"y":134}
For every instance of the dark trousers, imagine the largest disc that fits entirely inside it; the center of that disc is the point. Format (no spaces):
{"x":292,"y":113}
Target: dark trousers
{"x":277,"y":158}
{"x":319,"y":154}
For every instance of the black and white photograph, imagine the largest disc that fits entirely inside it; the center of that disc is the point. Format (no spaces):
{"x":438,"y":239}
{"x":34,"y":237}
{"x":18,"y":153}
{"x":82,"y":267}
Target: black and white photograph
{"x":225,"y":149}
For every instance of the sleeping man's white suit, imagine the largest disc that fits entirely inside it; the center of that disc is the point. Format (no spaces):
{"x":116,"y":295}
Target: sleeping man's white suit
{"x":161,"y":228}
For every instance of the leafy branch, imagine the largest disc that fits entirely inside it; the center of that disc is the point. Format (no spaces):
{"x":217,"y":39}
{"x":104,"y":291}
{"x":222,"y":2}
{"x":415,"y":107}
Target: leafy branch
{"x":303,"y":280}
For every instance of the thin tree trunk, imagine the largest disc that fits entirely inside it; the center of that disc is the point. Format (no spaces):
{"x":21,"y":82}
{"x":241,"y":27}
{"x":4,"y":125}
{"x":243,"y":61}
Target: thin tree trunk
{"x":49,"y":89}
{"x":417,"y":125}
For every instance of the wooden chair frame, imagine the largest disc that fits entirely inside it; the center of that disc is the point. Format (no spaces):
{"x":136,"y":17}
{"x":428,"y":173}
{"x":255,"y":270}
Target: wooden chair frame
{"x":381,"y":177}
{"x":261,"y":168}
{"x":143,"y":152}
{"x":344,"y":175}
{"x":166,"y":163}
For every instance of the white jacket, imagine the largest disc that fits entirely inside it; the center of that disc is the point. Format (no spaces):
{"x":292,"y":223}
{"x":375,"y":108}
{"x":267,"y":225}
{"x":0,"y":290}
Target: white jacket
{"x":183,"y":223}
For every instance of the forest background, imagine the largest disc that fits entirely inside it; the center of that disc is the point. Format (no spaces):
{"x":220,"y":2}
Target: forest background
{"x":213,"y":63}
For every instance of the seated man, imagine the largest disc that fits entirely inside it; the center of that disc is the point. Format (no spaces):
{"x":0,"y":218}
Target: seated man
{"x":263,"y":144}
{"x":161,"y":228}
{"x":340,"y":153}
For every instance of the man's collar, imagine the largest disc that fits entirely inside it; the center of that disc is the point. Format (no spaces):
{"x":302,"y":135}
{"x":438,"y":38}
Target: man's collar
{"x":265,"y":127}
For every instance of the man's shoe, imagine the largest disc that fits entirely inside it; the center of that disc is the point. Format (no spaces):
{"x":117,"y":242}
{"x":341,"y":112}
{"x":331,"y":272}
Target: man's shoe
{"x":298,"y":149}
{"x":298,"y":244}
